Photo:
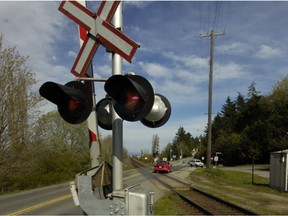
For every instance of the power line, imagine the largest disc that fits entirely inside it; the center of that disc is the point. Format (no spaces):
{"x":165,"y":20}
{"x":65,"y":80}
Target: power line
{"x":216,"y":15}
{"x":213,"y":15}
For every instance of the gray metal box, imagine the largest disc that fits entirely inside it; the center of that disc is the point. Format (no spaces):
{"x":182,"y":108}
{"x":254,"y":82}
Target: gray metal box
{"x":139,"y":201}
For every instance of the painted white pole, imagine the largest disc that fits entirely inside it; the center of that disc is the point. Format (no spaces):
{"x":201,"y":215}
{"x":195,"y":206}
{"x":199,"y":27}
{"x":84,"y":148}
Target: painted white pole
{"x":94,"y":145}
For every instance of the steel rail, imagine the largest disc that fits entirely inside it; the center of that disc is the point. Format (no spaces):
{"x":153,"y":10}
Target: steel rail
{"x":239,"y":210}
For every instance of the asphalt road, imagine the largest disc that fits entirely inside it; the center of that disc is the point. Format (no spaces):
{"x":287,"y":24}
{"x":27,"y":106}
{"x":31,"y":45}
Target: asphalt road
{"x":57,"y":200}
{"x":52,"y":200}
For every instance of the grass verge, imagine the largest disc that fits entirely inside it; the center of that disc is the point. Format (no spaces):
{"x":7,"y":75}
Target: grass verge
{"x":237,"y":187}
{"x":171,"y":204}
{"x":233,"y":186}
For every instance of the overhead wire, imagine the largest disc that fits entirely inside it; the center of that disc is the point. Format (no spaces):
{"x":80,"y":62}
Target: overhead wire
{"x":200,"y":16}
{"x":216,"y":16}
{"x":227,"y":14}
{"x":215,"y":29}
{"x":213,"y":16}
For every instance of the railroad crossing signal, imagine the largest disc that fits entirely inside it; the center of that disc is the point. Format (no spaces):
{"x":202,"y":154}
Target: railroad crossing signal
{"x":100,"y":31}
{"x":74,"y":100}
{"x":135,"y":100}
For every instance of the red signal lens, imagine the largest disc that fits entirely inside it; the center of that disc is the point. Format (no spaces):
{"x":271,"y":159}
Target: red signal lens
{"x":133,"y":101}
{"x":74,"y":107}
{"x":73,"y":104}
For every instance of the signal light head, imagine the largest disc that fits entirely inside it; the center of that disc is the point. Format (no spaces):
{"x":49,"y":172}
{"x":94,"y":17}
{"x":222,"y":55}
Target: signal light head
{"x":159,"y":114}
{"x":133,"y":96}
{"x":74,"y":100}
{"x":104,"y":114}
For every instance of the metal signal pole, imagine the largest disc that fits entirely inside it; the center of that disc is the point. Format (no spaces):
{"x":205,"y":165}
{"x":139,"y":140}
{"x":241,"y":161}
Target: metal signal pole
{"x":212,"y":35}
{"x":117,"y":122}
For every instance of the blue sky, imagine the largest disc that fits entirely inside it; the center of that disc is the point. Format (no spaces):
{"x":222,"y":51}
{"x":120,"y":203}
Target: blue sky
{"x":172,"y":56}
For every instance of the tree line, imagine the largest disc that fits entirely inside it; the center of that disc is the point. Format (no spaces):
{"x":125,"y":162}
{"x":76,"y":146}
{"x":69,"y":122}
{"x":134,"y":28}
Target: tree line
{"x":183,"y":144}
{"x":249,"y":128}
{"x":245,"y":131}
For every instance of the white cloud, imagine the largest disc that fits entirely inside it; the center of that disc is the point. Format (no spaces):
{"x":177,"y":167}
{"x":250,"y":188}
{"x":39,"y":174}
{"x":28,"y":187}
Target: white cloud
{"x":192,"y":76}
{"x":54,"y":58}
{"x":232,"y":48}
{"x":72,"y":54}
{"x":191,"y":61}
{"x":103,"y":71}
{"x":266,"y":52}
{"x":185,"y":81}
{"x":228,"y":71}
{"x":136,"y":3}
{"x":155,"y":69}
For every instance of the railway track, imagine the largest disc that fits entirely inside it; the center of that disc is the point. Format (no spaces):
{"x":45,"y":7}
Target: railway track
{"x":201,"y":203}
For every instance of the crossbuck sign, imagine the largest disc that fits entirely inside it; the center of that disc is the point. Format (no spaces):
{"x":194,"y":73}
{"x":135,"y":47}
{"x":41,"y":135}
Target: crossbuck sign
{"x":100,"y":31}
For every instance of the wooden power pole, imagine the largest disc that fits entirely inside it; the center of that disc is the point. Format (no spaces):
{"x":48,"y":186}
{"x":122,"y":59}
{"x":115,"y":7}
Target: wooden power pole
{"x":212,"y":35}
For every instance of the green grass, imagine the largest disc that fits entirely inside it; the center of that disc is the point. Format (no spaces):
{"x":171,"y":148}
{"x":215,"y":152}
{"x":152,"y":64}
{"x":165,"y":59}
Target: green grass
{"x":237,"y":187}
{"x":229,"y":177}
{"x":233,"y":186}
{"x":169,"y":205}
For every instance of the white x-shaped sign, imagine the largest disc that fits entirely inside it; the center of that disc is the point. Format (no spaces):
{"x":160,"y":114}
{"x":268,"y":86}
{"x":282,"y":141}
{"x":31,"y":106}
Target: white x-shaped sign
{"x":100,"y":31}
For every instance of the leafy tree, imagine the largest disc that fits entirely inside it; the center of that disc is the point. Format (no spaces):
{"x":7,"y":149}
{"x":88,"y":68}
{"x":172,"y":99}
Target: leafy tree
{"x":255,"y":140}
{"x":185,"y":145}
{"x":18,"y":105}
{"x":230,"y":148}
{"x":182,"y":142}
{"x":107,"y":149}
{"x":155,"y":145}
{"x":61,"y":149}
{"x":237,"y":129}
{"x":278,"y":106}
{"x":166,"y":152}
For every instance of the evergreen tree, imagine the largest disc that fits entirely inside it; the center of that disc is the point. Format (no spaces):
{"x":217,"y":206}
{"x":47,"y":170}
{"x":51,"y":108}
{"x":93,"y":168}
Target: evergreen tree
{"x":182,"y":143}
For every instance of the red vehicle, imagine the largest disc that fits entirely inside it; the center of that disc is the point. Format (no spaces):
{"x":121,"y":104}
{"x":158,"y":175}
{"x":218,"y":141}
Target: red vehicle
{"x":163,"y":166}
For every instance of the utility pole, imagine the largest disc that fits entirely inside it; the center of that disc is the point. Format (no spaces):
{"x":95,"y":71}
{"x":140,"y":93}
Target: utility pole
{"x":212,"y":35}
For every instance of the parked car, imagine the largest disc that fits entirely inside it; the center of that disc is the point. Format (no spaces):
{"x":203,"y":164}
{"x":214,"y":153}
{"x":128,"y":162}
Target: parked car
{"x":163,"y":166}
{"x":196,"y":163}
